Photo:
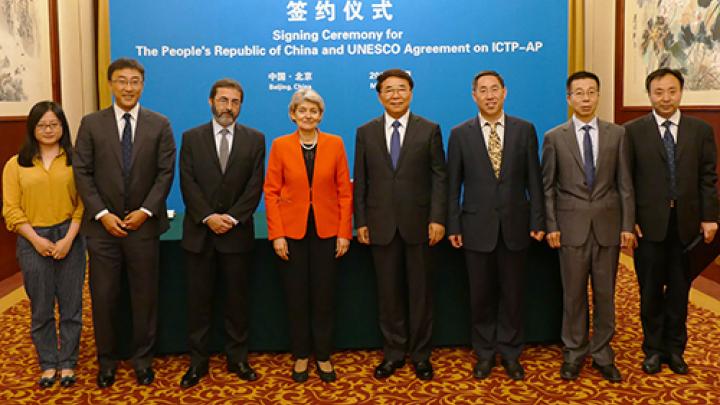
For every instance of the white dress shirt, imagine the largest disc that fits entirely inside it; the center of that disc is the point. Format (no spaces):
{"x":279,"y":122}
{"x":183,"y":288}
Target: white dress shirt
{"x":401,"y":129}
{"x":594,"y":137}
{"x":675,"y":119}
{"x":499,"y":129}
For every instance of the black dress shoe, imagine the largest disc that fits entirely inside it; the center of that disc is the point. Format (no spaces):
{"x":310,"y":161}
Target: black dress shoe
{"x":326,"y":376}
{"x":300,"y":376}
{"x":192,"y":376}
{"x":243,"y":370}
{"x":514,"y":369}
{"x":652,"y":364}
{"x":387,"y":368}
{"x":483,"y":368}
{"x":145,"y":376}
{"x":47,"y":382}
{"x":677,"y":364}
{"x":423,"y":370}
{"x":105,"y":378}
{"x":68,"y":381}
{"x":569,"y":371}
{"x":608,"y":371}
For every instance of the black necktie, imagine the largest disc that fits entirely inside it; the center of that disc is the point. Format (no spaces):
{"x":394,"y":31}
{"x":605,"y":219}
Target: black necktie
{"x":669,"y":143}
{"x":395,"y":144}
{"x":589,"y":162}
{"x":126,"y":143}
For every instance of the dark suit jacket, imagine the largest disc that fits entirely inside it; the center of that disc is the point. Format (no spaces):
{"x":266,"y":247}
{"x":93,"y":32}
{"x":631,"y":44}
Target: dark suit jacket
{"x":512,"y":203}
{"x":407,"y":198}
{"x":574,"y":209}
{"x":97,"y":165}
{"x":695,"y":157}
{"x":206,"y":190}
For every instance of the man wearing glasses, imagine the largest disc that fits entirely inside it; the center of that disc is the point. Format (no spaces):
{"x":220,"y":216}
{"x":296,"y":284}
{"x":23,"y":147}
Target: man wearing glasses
{"x":124,"y":164}
{"x":590,"y":212}
{"x":221,"y":178}
{"x":400,"y":203}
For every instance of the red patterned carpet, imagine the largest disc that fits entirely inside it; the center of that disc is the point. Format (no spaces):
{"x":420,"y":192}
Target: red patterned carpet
{"x":453,"y":383}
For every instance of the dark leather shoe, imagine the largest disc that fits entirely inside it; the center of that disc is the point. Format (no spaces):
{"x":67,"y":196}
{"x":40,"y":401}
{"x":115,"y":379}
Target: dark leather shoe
{"x":483,"y":368}
{"x":192,"y":376}
{"x":68,"y":381}
{"x":608,"y":371}
{"x":652,"y":364}
{"x":423,"y":370}
{"x":145,"y":376}
{"x":243,"y":370}
{"x":514,"y":369}
{"x":570,"y":371}
{"x":47,"y":382}
{"x":328,"y":376}
{"x":677,"y":364}
{"x":387,"y":368}
{"x":106,"y":378}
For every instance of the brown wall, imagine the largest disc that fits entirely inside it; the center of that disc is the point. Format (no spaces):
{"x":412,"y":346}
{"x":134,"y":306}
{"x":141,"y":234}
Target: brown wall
{"x":11,"y":136}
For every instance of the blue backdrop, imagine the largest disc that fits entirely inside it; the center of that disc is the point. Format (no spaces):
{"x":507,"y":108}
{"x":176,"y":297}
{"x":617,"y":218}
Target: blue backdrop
{"x":338,"y":47}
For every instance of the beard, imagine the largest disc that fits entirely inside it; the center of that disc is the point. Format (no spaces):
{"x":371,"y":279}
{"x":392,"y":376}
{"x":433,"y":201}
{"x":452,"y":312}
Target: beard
{"x":224,"y":118}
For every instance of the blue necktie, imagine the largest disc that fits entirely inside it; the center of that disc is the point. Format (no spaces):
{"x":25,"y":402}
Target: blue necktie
{"x":126,"y":143}
{"x":395,"y":144}
{"x":589,"y":162}
{"x":669,"y":143}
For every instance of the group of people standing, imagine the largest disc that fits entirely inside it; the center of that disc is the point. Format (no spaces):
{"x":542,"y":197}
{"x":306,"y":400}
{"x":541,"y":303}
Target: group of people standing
{"x":649,"y":185}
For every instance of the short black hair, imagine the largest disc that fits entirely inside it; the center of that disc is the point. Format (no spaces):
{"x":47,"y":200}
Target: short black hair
{"x":125,"y":63}
{"x":664,"y":72}
{"x":30,"y":148}
{"x":393,"y":73}
{"x":227,"y":83}
{"x":488,"y":73}
{"x":582,"y":74}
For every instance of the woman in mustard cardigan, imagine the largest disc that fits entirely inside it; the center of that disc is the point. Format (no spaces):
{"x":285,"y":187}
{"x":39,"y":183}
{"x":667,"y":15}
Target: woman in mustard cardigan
{"x":308,"y":200}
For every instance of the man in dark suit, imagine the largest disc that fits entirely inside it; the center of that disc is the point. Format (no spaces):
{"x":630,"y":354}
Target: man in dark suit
{"x":400,"y":203}
{"x":590,"y":215}
{"x":673,"y":162}
{"x":221,"y":178}
{"x":124,"y":163}
{"x":494,"y":158}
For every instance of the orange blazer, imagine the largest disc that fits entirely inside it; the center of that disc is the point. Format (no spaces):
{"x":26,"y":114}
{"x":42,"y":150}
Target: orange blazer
{"x":288,"y":194}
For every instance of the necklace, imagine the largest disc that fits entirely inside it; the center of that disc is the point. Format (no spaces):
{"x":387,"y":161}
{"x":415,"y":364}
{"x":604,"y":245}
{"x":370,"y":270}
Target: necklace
{"x":309,"y":146}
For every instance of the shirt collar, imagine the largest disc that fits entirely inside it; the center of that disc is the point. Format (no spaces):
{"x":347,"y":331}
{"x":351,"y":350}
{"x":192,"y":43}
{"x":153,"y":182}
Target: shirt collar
{"x":675,"y":118}
{"x":403,"y":120}
{"x":217,"y":127}
{"x":119,"y":112}
{"x":579,"y":124}
{"x":500,"y":121}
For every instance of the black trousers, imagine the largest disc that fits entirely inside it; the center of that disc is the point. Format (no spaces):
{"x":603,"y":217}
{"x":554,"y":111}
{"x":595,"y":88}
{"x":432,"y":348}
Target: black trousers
{"x":309,"y":278}
{"x":405,"y":304}
{"x":664,"y":292}
{"x":205,"y":270}
{"x":497,"y":288}
{"x":109,"y":258}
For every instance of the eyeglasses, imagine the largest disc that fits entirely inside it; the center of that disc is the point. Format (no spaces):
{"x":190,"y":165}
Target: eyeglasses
{"x":223,"y":101}
{"x":41,"y":126}
{"x":581,"y":94}
{"x":489,"y":91}
{"x":122,"y":82}
{"x":390,"y":91}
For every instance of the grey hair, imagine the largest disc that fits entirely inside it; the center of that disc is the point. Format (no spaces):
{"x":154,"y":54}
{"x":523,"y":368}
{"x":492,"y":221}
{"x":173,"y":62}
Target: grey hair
{"x":306,"y":94}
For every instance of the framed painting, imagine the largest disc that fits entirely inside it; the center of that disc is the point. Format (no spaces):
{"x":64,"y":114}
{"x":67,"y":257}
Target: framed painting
{"x":680,"y":34}
{"x":29,"y":58}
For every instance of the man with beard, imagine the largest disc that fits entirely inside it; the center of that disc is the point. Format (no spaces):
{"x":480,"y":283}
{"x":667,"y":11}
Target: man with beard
{"x":221,"y":178}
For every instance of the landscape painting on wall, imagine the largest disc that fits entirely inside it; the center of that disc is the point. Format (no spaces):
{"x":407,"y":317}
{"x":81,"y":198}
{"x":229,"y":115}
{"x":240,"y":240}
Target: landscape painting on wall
{"x":25,"y":55}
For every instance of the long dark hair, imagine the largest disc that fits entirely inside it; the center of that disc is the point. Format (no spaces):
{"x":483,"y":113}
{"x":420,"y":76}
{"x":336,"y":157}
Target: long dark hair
{"x":30,"y":148}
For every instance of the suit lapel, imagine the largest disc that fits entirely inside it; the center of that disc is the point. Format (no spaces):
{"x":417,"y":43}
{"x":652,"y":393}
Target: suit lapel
{"x":603,"y":147}
{"x":208,"y":141}
{"x":296,"y":156}
{"x":655,"y":137}
{"x":407,"y":140}
{"x":379,"y":139}
{"x":477,"y":139}
{"x":570,"y":138}
{"x":238,"y":138}
{"x":509,"y":139}
{"x":682,"y":138}
{"x":109,"y":121}
{"x":139,"y":140}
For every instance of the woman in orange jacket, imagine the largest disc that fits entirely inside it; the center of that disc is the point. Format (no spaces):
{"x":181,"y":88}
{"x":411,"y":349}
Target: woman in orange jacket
{"x":308,"y":200}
